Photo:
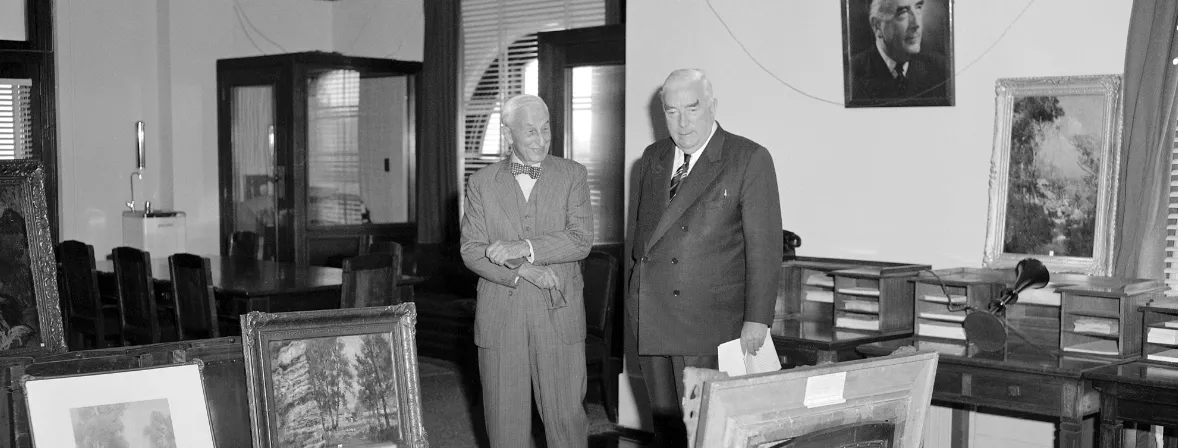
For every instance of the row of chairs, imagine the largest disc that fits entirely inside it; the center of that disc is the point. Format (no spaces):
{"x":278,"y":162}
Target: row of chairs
{"x":136,"y":314}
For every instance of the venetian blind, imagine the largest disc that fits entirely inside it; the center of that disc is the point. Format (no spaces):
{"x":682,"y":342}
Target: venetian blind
{"x":1172,"y":219}
{"x":499,"y":51}
{"x":16,"y":118}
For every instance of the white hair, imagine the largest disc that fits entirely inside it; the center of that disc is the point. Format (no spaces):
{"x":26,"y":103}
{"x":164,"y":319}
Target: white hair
{"x":686,"y":76}
{"x":512,"y":107}
{"x":874,"y":10}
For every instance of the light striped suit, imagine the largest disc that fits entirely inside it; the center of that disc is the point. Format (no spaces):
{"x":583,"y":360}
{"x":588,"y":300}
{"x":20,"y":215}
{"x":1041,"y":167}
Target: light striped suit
{"x":525,"y":346}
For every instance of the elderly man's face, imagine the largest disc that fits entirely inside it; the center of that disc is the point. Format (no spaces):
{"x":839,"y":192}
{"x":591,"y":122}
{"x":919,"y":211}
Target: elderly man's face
{"x":530,"y":136}
{"x":690,"y":114}
{"x":899,"y":27}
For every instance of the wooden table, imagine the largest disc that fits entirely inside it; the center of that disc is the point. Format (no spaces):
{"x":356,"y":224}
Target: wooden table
{"x":1138,"y":391}
{"x":1022,"y":379}
{"x":804,"y":341}
{"x":242,"y":286}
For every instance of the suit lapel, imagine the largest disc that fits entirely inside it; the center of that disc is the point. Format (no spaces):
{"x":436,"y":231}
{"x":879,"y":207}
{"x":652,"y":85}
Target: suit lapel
{"x":701,"y":175}
{"x":513,"y":197}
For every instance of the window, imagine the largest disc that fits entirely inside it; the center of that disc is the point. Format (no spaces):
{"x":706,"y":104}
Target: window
{"x":1172,"y":219}
{"x":16,"y":118}
{"x":499,"y":42}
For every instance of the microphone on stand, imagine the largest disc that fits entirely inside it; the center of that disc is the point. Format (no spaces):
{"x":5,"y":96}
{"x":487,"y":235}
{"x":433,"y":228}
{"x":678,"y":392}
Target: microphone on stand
{"x":987,"y":329}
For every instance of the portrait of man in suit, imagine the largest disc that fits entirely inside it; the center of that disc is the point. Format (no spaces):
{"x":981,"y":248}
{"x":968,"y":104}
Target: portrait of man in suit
{"x":706,"y":245}
{"x":897,"y":53}
{"x":528,"y":222}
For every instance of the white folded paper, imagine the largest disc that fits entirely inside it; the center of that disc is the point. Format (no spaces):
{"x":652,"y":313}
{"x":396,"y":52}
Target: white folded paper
{"x":735,"y":362}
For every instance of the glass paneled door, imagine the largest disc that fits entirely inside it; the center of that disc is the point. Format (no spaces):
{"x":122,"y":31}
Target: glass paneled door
{"x":256,"y":175}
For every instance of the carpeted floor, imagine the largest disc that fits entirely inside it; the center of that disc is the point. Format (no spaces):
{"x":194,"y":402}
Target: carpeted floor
{"x":451,"y":419}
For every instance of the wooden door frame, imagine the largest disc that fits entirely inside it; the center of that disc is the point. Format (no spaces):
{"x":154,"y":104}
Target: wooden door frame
{"x":561,"y":50}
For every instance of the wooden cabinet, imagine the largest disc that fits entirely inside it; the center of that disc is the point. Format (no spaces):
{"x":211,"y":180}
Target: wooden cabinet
{"x":317,"y":153}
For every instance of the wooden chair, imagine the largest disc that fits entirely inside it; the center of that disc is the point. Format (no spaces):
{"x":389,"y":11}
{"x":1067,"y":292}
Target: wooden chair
{"x":192,"y":295}
{"x":370,"y":280}
{"x":143,"y":319}
{"x":598,"y":271}
{"x":85,"y":314}
{"x":244,"y":244}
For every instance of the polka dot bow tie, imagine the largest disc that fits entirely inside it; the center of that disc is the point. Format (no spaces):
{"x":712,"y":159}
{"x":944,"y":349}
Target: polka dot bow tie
{"x":533,"y":171}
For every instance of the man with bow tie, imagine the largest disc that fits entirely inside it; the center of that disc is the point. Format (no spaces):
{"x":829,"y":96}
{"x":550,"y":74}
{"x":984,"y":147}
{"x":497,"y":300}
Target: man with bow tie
{"x":705,"y":241}
{"x":527,"y":223}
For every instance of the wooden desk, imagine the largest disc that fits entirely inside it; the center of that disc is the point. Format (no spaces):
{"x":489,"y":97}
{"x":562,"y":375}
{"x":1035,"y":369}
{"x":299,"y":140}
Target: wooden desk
{"x":1139,"y":391}
{"x":816,"y":341}
{"x":1022,"y":379}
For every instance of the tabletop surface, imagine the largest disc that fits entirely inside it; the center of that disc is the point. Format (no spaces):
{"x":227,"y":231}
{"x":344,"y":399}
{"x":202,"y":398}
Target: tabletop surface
{"x":1145,"y":373}
{"x":821,"y":334}
{"x":253,"y":277}
{"x":1017,"y":356}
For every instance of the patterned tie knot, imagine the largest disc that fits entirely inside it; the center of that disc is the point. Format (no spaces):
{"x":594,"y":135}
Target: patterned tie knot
{"x":517,"y":169}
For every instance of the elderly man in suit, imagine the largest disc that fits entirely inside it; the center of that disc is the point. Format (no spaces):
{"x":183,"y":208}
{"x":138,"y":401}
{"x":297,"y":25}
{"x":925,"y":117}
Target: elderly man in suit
{"x":706,"y":242}
{"x":528,"y":221}
{"x":895,"y":68}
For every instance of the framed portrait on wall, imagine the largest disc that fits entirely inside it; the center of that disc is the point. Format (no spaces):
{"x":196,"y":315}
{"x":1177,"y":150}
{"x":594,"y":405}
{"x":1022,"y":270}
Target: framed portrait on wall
{"x":897,"y":53}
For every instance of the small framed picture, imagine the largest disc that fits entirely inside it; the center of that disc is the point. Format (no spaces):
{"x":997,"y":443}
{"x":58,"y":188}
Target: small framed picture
{"x":897,"y":53}
{"x":345,"y":377}
{"x":149,"y":407}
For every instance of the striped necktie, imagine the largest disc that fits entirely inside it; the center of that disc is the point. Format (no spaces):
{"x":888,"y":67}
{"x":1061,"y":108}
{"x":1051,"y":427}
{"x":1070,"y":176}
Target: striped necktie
{"x":680,"y":174}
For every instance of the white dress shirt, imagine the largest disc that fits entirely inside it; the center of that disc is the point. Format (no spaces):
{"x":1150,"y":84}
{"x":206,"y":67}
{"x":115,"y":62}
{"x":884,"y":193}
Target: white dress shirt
{"x":678,"y":159}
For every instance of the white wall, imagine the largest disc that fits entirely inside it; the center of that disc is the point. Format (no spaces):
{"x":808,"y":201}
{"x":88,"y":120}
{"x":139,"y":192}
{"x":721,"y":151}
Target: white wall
{"x":896,"y":184}
{"x":120,"y":61}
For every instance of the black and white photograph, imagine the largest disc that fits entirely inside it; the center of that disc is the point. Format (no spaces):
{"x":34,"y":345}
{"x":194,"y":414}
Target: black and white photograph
{"x":137,"y":424}
{"x":339,"y":391}
{"x":898,"y":53}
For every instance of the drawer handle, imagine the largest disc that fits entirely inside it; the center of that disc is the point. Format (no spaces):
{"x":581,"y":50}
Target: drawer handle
{"x":1013,"y":391}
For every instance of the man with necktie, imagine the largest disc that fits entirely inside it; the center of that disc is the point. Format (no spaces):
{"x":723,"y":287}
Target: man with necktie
{"x":706,"y":244}
{"x":895,"y":68}
{"x":527,"y":223}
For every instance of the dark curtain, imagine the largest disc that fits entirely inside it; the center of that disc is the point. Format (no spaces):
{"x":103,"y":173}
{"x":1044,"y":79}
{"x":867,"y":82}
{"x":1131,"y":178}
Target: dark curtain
{"x":438,"y":109}
{"x":1151,"y":79}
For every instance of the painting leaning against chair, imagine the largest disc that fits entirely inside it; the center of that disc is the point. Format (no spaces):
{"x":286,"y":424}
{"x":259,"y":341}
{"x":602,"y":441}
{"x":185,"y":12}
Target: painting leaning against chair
{"x":18,"y":304}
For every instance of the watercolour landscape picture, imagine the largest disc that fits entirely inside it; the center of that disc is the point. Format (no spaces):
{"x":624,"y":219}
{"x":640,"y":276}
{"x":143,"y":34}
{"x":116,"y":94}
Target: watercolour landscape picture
{"x":137,"y":424}
{"x":338,"y":391}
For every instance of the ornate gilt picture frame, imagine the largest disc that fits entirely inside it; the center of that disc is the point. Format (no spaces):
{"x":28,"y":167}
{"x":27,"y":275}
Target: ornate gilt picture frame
{"x":1054,"y":173}
{"x":334,"y":377}
{"x":30,"y":311}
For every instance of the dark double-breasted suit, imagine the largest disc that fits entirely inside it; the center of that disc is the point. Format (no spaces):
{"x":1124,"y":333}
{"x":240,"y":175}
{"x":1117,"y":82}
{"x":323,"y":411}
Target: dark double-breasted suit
{"x":708,"y":260}
{"x":525,"y":344}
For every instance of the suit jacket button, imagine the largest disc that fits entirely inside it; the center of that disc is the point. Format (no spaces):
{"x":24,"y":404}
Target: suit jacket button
{"x":645,"y":259}
{"x":675,"y":292}
{"x":684,"y":228}
{"x":674,"y":261}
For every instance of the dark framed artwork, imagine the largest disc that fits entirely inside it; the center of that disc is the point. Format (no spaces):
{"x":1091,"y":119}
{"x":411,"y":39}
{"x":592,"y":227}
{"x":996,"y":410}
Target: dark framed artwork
{"x":1055,"y":173}
{"x":30,"y":313}
{"x":344,"y":377}
{"x":897,"y":53}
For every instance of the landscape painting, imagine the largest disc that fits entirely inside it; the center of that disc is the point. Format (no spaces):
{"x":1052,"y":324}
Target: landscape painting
{"x":334,"y":378}
{"x":139,"y":424}
{"x":30,"y":313}
{"x":336,"y":391}
{"x":1053,"y":182}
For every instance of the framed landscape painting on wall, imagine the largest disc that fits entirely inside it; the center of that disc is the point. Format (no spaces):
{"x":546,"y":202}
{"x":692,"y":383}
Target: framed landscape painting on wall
{"x":344,"y":377}
{"x":1054,"y":173}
